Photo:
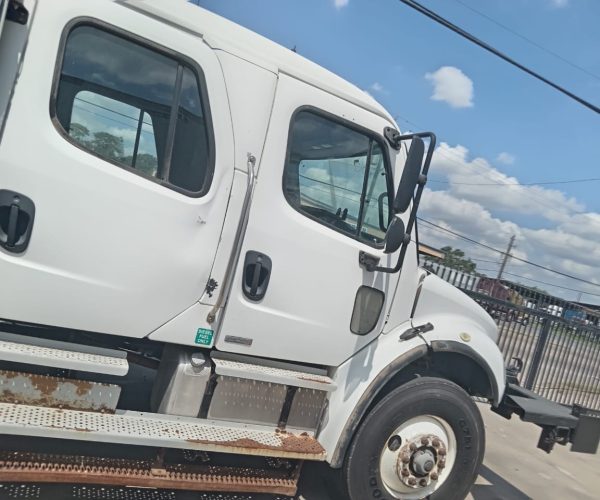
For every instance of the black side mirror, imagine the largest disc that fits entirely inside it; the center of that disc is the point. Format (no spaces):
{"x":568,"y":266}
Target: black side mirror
{"x":395,"y":236}
{"x":410,"y":176}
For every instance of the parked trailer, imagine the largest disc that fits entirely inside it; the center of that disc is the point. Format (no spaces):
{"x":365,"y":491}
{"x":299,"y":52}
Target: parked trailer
{"x":209,"y":269}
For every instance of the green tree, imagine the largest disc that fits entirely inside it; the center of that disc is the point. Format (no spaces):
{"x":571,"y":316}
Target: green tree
{"x":146,"y":163}
{"x":455,"y":259}
{"x":79,"y":132}
{"x":107,"y":145}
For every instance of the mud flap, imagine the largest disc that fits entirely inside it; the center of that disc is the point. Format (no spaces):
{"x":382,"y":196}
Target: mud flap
{"x":560,"y":424}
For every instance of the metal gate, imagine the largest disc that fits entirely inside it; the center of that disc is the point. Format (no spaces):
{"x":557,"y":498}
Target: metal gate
{"x":558,"y":341}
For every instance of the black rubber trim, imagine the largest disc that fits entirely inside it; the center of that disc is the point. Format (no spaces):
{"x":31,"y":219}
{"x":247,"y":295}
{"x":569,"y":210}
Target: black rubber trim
{"x":468,"y":351}
{"x":382,"y":378}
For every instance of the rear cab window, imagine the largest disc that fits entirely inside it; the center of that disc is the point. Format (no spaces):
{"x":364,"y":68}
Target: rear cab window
{"x":136,"y":107}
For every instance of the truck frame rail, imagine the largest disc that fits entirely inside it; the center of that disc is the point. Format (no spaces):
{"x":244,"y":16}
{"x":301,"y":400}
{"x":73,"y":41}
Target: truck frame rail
{"x":560,"y":424}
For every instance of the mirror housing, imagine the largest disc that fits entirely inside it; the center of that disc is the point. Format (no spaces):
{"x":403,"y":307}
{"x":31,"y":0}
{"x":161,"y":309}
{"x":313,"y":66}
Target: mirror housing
{"x":395,"y":236}
{"x":410,"y":176}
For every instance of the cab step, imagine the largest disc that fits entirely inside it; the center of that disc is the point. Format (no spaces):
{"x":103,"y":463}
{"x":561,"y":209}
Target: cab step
{"x":56,"y":354}
{"x":24,"y":467}
{"x":231,"y":365}
{"x":151,"y":429}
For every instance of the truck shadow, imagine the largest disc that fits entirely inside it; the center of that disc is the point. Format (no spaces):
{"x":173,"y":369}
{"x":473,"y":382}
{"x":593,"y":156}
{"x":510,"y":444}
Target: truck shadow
{"x":497,"y":489}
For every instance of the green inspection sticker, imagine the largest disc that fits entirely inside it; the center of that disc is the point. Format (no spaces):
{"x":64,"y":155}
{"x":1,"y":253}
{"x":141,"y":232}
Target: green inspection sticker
{"x":204,"y":336}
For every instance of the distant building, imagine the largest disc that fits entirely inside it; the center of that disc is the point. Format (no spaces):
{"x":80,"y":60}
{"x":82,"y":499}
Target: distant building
{"x":430,"y":251}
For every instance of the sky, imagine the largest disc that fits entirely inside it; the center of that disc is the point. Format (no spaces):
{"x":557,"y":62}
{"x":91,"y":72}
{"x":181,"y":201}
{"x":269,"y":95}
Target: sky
{"x":495,"y":125}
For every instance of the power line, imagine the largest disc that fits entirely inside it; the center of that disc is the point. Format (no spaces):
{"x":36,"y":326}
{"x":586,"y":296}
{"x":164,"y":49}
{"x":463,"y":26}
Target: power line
{"x":528,"y":40}
{"x":113,"y":111}
{"x":543,"y":183}
{"x":462,"y":236}
{"x":484,"y":260}
{"x":459,"y":31}
{"x":539,"y":266}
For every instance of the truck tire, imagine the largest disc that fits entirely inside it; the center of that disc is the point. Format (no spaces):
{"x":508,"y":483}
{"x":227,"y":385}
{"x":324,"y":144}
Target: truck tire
{"x":425,"y":439}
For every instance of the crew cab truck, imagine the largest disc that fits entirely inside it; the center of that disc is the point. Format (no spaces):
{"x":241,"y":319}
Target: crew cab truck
{"x":209,"y":270}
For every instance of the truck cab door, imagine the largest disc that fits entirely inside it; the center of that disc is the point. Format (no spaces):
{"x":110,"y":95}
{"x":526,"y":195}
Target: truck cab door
{"x":323,"y":195}
{"x":115,"y":169}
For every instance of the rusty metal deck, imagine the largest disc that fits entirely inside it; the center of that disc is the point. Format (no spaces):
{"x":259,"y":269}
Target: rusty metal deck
{"x":22,"y":467}
{"x":150,"y":429}
{"x":56,"y":392}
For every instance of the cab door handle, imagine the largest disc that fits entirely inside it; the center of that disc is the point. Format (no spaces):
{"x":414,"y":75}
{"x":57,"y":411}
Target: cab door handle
{"x":257,"y":273}
{"x":17,"y":212}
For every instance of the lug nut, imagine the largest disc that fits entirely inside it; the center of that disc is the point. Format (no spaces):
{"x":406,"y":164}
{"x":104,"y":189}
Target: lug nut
{"x":424,"y":441}
{"x":413,"y":447}
{"x":405,"y":459}
{"x":442,"y":452}
{"x":434,"y":476}
{"x":436,"y":443}
{"x":405,"y":473}
{"x":423,"y":482}
{"x":441,"y":465}
{"x":412,"y":481}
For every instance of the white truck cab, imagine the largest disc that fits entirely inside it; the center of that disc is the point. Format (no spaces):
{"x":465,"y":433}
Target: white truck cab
{"x":208,"y":250}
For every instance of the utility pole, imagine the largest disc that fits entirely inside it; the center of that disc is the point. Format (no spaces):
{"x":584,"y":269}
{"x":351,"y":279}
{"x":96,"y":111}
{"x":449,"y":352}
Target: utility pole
{"x":506,"y":256}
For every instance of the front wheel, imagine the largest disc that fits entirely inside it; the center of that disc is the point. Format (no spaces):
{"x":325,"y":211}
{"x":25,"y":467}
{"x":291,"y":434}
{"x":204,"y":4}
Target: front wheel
{"x":424,"y":439}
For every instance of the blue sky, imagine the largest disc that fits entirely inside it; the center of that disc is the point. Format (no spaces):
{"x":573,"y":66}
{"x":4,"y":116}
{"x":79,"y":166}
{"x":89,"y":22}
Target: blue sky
{"x":498,"y":124}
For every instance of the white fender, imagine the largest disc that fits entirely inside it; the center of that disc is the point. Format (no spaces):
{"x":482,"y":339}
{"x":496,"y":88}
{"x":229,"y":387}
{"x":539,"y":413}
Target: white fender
{"x":459,"y":325}
{"x":358,"y":380}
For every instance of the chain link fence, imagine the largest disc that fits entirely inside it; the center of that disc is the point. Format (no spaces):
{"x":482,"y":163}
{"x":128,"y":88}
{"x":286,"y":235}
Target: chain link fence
{"x":558,"y":341}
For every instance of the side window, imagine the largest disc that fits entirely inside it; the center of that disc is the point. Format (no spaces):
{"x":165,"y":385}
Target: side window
{"x":338,"y":176}
{"x":136,"y":108}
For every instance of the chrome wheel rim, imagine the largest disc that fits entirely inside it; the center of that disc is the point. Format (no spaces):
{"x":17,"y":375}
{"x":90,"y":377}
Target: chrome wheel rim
{"x":418,"y":457}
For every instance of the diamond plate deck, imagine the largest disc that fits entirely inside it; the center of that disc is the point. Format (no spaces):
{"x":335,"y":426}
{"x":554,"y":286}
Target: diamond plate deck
{"x":61,"y":358}
{"x":274,"y":375}
{"x":149,"y":429}
{"x":25,"y":467}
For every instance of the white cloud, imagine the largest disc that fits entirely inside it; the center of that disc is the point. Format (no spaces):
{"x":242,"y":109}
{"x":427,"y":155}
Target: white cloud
{"x":340,"y":4}
{"x":505,"y":158}
{"x":569,"y":240}
{"x":377,"y":87}
{"x":559,"y":4}
{"x":555,"y":248}
{"x":452,"y":86}
{"x":496,"y":190}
